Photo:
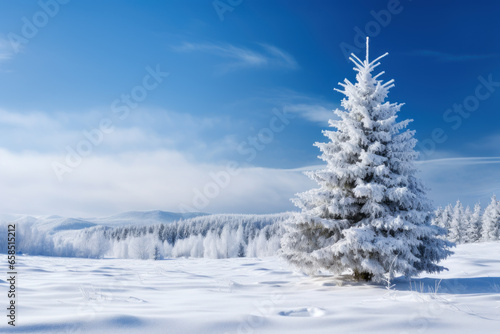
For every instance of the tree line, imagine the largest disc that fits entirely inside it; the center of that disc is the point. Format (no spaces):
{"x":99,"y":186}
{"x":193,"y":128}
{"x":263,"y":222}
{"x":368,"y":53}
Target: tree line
{"x":466,"y":225}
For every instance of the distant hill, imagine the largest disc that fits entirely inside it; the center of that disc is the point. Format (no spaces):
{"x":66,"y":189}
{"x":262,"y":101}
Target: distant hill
{"x":139,"y":218}
{"x":55,"y":223}
{"x":148,"y":235}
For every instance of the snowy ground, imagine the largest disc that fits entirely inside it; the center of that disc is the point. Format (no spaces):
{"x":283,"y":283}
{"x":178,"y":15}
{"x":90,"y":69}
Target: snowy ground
{"x":248,"y":295}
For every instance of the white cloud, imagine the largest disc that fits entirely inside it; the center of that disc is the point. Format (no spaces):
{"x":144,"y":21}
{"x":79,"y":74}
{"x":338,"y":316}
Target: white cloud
{"x":25,"y":120}
{"x":170,"y":180}
{"x":311,"y":112}
{"x":489,"y":143}
{"x":241,"y":57}
{"x":139,"y":168}
{"x":161,"y":179}
{"x":6,"y":50}
{"x":315,"y":109}
{"x":143,"y":129}
{"x":469,"y":179}
{"x":283,"y":57}
{"x":461,"y":161}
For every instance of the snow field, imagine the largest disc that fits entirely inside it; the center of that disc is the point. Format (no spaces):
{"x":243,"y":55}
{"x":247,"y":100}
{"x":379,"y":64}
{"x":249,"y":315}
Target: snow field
{"x":250,"y":295}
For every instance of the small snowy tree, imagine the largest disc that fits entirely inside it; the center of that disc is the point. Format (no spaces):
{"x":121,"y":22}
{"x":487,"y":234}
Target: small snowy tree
{"x":438,"y":214}
{"x":442,"y":217}
{"x":456,"y":223}
{"x":446,"y":217}
{"x":491,"y":221}
{"x":370,"y":214}
{"x":472,"y":230}
{"x":157,"y":253}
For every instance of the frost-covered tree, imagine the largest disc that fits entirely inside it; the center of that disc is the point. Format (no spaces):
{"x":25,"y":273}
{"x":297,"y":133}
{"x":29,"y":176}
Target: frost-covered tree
{"x":456,"y":223}
{"x":465,"y":225}
{"x":438,"y":214}
{"x":446,"y":217}
{"x":442,"y":217}
{"x":370,"y":214}
{"x":473,"y":226}
{"x":491,"y":221}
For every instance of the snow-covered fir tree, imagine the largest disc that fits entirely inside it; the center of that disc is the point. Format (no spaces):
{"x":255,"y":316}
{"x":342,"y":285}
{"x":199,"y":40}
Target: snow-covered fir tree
{"x":370,"y":214}
{"x":473,"y":228}
{"x":442,"y":217}
{"x":456,"y":223}
{"x":446,"y":217}
{"x":438,"y":216}
{"x":491,"y":221}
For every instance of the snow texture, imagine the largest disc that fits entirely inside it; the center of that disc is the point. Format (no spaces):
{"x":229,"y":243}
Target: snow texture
{"x":249,"y":295}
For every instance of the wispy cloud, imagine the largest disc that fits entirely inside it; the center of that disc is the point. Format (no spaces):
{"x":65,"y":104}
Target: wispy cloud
{"x":281,"y":56}
{"x":461,"y":161}
{"x":205,"y":137}
{"x":241,"y":57}
{"x":315,"y":109}
{"x":312,"y":112}
{"x":489,"y":143}
{"x":6,"y":50}
{"x":449,"y":57}
{"x":470,"y":179}
{"x":166,"y":179}
{"x":311,"y":108}
{"x":25,"y":120}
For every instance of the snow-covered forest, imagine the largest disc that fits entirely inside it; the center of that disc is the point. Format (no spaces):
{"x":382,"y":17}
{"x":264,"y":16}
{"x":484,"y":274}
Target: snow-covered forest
{"x":466,"y":225}
{"x":209,"y":236}
{"x":212,"y":236}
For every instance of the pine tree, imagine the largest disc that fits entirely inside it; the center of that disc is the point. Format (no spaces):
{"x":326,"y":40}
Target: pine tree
{"x":442,"y":218}
{"x":456,"y":223}
{"x":370,"y":213}
{"x":472,"y":230}
{"x":491,"y":221}
{"x":438,"y":216}
{"x":446,"y":218}
{"x":157,"y":253}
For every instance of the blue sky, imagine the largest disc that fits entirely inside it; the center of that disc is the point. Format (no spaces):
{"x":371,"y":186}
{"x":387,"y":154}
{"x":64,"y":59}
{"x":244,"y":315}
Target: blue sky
{"x":227,"y":71}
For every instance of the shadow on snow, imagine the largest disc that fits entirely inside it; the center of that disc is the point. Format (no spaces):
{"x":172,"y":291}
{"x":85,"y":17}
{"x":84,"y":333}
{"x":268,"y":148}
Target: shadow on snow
{"x":472,"y":285}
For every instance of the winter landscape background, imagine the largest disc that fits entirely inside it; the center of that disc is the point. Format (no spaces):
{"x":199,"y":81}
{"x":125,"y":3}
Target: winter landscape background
{"x":149,"y":152}
{"x":156,"y":235}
